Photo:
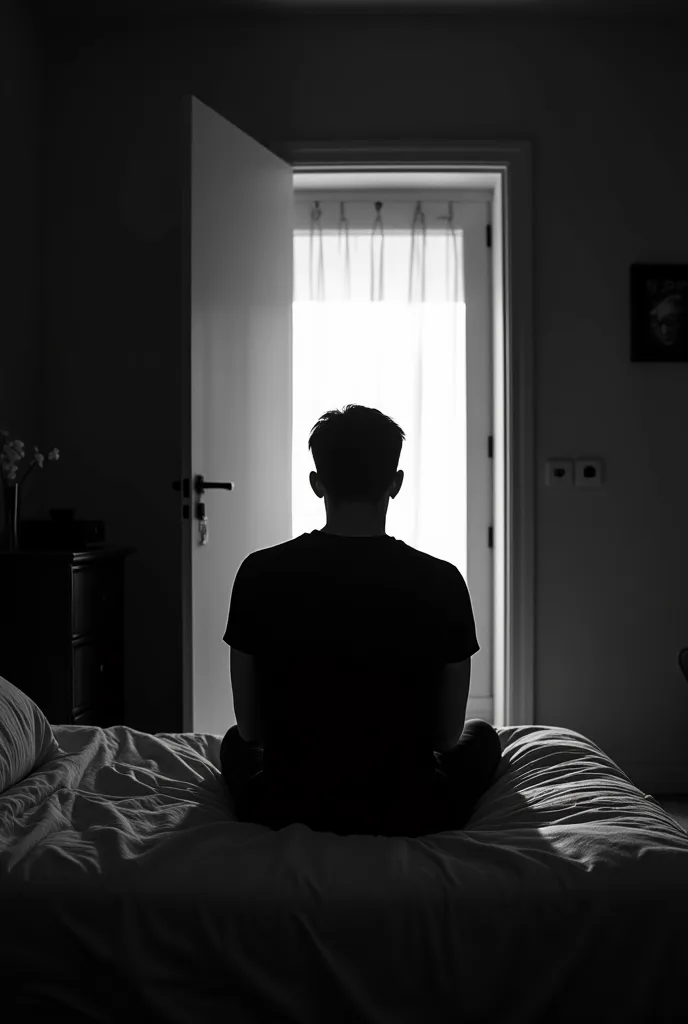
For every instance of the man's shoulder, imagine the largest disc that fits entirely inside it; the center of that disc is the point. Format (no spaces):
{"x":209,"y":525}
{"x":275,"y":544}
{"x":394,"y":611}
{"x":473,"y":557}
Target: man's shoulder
{"x":305,"y":549}
{"x":285,"y":553}
{"x":431,"y":563}
{"x":437,"y":573}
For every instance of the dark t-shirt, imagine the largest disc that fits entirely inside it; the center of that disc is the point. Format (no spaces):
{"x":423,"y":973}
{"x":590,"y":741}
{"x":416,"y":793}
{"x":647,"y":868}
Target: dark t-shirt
{"x":350,"y":635}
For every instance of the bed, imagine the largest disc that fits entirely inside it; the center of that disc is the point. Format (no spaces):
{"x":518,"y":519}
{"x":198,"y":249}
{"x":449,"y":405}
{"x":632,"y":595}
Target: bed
{"x":129,"y":891}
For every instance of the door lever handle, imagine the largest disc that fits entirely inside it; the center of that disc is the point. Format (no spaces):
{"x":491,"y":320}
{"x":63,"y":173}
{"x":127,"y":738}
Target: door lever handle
{"x":201,"y":485}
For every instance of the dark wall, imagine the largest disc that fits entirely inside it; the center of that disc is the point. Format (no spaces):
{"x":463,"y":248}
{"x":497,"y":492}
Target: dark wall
{"x":113,"y":298}
{"x":602,"y":103}
{"x":20,"y":174}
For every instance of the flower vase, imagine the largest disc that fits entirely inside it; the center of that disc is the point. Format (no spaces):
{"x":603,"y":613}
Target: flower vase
{"x":9,"y":536}
{"x":14,"y":518}
{"x":6,"y":513}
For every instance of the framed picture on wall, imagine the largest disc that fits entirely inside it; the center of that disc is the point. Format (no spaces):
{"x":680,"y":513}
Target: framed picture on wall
{"x":659,"y":312}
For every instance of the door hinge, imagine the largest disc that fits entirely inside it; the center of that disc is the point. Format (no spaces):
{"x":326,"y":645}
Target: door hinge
{"x":489,"y":236}
{"x":490,"y":537}
{"x":489,"y":447}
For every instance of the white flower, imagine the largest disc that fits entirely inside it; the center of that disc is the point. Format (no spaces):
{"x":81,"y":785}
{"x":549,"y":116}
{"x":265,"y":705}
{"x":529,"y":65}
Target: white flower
{"x":12,"y":452}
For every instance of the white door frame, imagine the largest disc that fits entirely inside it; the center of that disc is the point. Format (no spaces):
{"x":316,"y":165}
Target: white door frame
{"x":504,"y":168}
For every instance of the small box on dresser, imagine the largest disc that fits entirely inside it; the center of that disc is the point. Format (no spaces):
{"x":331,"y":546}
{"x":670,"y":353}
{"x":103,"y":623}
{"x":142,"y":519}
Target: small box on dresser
{"x":62,"y":632}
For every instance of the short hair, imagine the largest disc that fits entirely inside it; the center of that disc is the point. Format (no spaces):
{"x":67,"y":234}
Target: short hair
{"x":356,"y":452}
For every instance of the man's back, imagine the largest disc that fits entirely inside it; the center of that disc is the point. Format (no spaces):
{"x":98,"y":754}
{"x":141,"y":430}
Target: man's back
{"x":350,"y":635}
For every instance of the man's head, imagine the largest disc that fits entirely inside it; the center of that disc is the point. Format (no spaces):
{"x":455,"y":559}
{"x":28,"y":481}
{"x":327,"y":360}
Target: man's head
{"x":356,"y":452}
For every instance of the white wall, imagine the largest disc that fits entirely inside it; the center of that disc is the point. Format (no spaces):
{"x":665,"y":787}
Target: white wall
{"x":603,"y":104}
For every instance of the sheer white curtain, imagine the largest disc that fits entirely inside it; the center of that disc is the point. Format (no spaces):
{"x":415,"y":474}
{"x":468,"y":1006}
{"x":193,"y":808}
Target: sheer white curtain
{"x":379,"y":320}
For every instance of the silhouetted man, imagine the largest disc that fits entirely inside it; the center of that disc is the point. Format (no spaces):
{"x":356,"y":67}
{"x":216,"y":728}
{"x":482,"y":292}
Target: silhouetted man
{"x":350,"y":662}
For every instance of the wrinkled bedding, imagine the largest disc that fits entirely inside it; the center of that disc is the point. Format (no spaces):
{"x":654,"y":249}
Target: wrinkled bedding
{"x":128,"y":886}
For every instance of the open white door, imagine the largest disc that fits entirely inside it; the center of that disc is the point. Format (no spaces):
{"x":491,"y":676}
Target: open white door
{"x":240,"y":371}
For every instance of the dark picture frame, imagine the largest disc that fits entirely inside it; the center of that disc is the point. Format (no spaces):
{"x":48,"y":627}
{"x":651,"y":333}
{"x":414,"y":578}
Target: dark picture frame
{"x":659,"y":312}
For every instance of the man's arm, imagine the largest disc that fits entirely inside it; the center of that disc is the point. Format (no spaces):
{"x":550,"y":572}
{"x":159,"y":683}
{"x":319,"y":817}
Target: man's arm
{"x":450,"y":709}
{"x":458,"y":642}
{"x":244,"y":680}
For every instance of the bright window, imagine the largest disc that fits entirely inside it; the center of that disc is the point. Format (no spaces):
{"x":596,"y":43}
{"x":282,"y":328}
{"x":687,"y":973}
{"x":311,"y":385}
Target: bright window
{"x":403,"y":352}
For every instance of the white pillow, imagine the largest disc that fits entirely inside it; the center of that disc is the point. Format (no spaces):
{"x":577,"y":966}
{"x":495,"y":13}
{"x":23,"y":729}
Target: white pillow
{"x":26,"y":738}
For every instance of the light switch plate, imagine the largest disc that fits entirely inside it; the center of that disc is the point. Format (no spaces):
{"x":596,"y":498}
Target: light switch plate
{"x":559,"y":473}
{"x":588,"y":473}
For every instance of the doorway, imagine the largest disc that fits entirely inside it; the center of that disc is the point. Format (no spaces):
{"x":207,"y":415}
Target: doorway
{"x":239,"y":387}
{"x":392,"y":286}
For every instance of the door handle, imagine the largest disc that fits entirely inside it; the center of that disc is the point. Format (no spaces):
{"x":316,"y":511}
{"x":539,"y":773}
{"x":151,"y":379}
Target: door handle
{"x":201,"y":485}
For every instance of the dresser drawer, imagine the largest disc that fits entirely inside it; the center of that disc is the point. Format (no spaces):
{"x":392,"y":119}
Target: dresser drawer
{"x":88,"y":680}
{"x":94,"y":591}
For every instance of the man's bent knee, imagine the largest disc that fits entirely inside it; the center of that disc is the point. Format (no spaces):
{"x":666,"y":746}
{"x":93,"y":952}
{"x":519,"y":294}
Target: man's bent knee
{"x":487,"y":733}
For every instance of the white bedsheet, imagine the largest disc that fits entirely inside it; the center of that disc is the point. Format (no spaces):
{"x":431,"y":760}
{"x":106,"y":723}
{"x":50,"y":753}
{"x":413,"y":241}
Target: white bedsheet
{"x":127,"y":885}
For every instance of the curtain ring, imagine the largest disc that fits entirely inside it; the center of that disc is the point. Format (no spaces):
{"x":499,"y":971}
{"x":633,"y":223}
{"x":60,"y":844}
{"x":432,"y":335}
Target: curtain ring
{"x":451,"y":234}
{"x":344,"y":229}
{"x":418,"y":215}
{"x":316,"y":214}
{"x":377,"y":223}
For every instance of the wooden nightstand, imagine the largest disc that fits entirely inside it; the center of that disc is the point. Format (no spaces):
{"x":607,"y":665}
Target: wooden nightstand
{"x":62,"y":632}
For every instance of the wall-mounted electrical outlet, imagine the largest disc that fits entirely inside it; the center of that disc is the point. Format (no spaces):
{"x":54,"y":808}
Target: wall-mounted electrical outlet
{"x":559,"y":473}
{"x":588,"y":473}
